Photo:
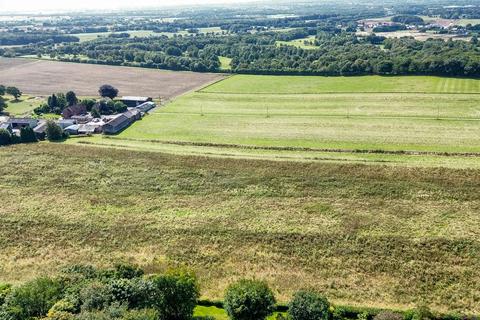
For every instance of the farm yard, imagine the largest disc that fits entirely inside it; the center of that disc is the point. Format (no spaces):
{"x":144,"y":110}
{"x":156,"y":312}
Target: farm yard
{"x":38,"y":77}
{"x":367,"y":119}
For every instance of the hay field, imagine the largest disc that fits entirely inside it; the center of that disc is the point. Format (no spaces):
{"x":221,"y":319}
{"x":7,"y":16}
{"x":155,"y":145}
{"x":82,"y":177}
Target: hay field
{"x":39,"y":77}
{"x":365,"y":235}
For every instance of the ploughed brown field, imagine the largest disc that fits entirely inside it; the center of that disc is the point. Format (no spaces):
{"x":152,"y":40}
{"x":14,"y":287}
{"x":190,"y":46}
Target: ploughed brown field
{"x":46,"y":77}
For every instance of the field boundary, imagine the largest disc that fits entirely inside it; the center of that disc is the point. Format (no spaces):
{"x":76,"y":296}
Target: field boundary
{"x":329,"y":92}
{"x":304,"y":149}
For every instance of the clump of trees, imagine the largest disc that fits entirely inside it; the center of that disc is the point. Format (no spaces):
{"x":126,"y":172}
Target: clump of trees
{"x":54,"y":132}
{"x":56,"y":103}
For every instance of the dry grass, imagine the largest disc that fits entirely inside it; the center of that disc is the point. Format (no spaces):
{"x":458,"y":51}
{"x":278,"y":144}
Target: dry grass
{"x":47,"y":77}
{"x":368,"y":235}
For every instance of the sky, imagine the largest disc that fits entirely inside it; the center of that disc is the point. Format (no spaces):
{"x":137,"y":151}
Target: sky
{"x":72,"y":5}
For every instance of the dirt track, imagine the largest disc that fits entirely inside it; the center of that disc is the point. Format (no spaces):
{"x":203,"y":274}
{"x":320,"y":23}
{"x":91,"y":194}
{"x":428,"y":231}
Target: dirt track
{"x":47,"y":77}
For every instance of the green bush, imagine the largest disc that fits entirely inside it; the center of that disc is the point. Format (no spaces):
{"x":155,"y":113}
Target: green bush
{"x":249,"y":300}
{"x":173,"y":295}
{"x":5,"y":137}
{"x":54,"y":132}
{"x":33,"y":299}
{"x":420,"y":313}
{"x":95,"y":296}
{"x":142,"y":314}
{"x":309,"y":305}
{"x":127,"y":271}
{"x":27,"y":135}
{"x":4,"y":291}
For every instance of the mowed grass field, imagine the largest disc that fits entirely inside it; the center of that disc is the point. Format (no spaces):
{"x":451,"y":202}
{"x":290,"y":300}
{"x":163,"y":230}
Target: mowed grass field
{"x":369,"y":235}
{"x":363,"y":118}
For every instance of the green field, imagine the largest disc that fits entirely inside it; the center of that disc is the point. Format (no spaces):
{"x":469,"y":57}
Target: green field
{"x":319,"y":118}
{"x":24,"y":106}
{"x":368,"y":235}
{"x":305,"y":43}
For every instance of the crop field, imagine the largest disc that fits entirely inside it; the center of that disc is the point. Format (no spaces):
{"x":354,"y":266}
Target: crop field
{"x":41,"y":77}
{"x":350,"y":119}
{"x":369,"y":235}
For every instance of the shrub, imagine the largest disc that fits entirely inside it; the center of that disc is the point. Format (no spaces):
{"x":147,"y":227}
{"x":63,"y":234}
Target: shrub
{"x":33,"y":299}
{"x":249,"y":300}
{"x":308,"y":305}
{"x":142,"y":314}
{"x":122,"y":290}
{"x":127,"y":271}
{"x":4,"y":291}
{"x":174,"y":295}
{"x":54,"y":132}
{"x":388,"y":315}
{"x":5,"y":137}
{"x":27,"y":135}
{"x":95,"y":296}
{"x":420,"y":313}
{"x":59,"y":315}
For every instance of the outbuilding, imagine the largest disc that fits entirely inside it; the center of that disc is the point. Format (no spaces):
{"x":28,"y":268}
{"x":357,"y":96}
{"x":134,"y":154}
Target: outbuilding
{"x":117,"y":124}
{"x":132,"y":101}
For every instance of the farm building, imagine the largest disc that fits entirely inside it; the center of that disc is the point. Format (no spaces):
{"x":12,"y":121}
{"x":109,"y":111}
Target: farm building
{"x":84,"y":118}
{"x":6,"y":126}
{"x":133,"y":102}
{"x":18,"y":123}
{"x":133,"y":114}
{"x":75,"y":110}
{"x":117,"y":124}
{"x":147,"y":106}
{"x":64,"y":123}
{"x":40,"y":129}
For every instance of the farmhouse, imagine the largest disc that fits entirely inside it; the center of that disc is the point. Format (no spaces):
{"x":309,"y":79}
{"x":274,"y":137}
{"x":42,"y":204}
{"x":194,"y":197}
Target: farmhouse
{"x":75,"y":110}
{"x":117,"y":124}
{"x":132,"y":101}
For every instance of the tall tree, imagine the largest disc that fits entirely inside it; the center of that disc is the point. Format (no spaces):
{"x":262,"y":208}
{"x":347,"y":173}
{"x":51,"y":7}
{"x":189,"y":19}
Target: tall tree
{"x":3,"y":104}
{"x":2,"y":90}
{"x":108,"y":91}
{"x":71,"y":98}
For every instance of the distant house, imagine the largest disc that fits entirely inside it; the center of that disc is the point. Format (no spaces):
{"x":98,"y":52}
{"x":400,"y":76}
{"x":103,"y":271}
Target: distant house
{"x":18,"y":123}
{"x":117,"y":124}
{"x":75,"y":110}
{"x":132,"y":102}
{"x":147,"y":106}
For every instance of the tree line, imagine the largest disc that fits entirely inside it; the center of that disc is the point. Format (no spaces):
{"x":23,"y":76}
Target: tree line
{"x":337,"y":53}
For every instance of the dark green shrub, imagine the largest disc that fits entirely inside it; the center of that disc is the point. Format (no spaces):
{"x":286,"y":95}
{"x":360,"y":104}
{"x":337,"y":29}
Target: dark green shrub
{"x":54,"y":132}
{"x":388,"y":315}
{"x":123,"y":290}
{"x":5,"y":137}
{"x":249,"y":300}
{"x":127,"y":271}
{"x":421,"y":312}
{"x":173,"y":295}
{"x":95,"y":296}
{"x":27,"y":135}
{"x":33,"y":299}
{"x":4,"y":291}
{"x":309,"y":305}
